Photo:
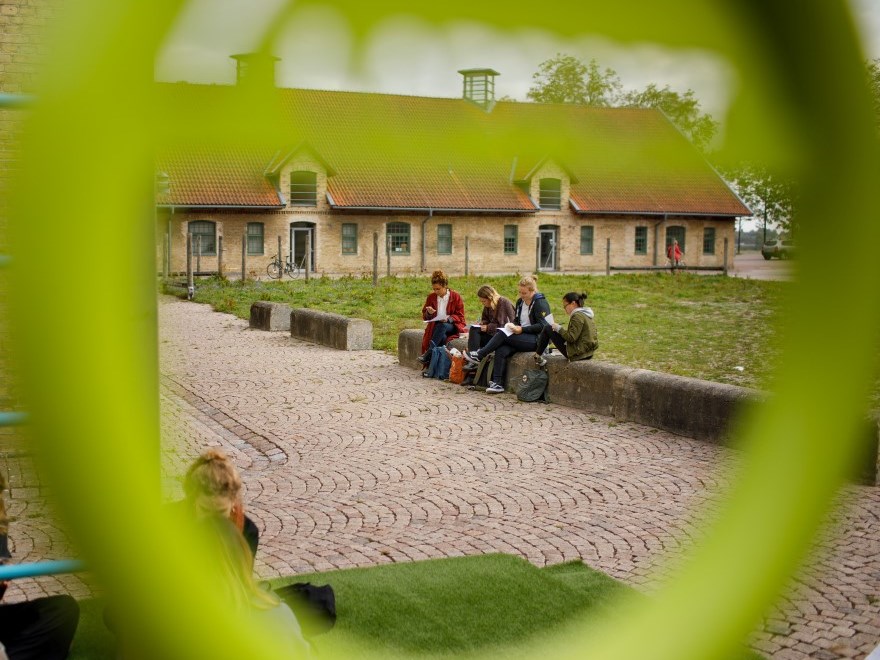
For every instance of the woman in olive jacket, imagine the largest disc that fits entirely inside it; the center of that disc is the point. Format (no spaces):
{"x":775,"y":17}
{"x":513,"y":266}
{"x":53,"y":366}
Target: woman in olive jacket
{"x":529,"y":319}
{"x":576,"y":342}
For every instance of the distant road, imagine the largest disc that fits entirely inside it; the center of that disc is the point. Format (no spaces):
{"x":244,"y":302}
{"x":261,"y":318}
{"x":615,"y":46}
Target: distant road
{"x":752,"y":265}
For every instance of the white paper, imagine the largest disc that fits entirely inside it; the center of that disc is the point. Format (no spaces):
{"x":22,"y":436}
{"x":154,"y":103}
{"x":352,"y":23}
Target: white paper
{"x":436,"y":318}
{"x":476,"y":325}
{"x":507,"y":329}
{"x":549,"y":319}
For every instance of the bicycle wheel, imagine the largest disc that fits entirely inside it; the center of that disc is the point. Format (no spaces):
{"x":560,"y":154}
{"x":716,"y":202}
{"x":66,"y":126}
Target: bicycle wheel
{"x":293,"y":271}
{"x":273,"y":270}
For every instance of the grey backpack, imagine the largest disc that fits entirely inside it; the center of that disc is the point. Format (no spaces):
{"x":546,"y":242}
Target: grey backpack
{"x":533,"y":386}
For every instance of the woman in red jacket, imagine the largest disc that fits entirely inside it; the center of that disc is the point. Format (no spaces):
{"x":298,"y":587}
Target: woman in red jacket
{"x":443,"y":313}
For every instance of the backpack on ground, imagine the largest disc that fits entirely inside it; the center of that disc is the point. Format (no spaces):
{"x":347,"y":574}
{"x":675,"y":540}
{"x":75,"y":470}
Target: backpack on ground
{"x":439,"y":365}
{"x":484,"y":371}
{"x":533,"y":386}
{"x":456,"y":370}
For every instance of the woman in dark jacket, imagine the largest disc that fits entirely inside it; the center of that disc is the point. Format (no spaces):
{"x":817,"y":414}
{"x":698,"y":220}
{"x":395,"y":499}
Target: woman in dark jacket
{"x":529,"y":319}
{"x":497,"y":312}
{"x":444,"y":313}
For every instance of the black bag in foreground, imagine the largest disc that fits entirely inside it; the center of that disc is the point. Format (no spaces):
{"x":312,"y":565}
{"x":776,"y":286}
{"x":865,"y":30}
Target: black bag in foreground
{"x":533,"y":386}
{"x":314,"y":606}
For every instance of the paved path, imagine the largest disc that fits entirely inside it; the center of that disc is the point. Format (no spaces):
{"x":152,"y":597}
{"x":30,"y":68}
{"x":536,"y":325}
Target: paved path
{"x":350,"y":459}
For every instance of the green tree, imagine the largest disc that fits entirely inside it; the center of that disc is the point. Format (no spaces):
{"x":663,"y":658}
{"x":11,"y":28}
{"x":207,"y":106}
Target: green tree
{"x":683,"y":110}
{"x":566,"y":79}
{"x":771,"y":196}
{"x":874,"y":86}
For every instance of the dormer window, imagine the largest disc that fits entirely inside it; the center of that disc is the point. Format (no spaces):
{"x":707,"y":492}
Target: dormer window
{"x":550,"y":194}
{"x":303,"y":188}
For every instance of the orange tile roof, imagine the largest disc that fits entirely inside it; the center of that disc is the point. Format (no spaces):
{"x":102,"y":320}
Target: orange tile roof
{"x":408,"y":152}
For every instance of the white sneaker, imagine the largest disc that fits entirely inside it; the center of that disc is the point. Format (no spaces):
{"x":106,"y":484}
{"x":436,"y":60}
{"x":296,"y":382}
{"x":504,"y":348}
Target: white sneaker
{"x":540,"y":360}
{"x":494,"y":388}
{"x":472,"y":357}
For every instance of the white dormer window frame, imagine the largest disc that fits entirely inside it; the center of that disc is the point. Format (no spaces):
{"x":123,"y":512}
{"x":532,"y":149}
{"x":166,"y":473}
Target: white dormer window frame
{"x":303,"y":188}
{"x":550,"y":194}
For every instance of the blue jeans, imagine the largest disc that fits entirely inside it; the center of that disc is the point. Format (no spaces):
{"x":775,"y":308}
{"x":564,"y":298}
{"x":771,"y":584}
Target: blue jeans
{"x":441,"y":332}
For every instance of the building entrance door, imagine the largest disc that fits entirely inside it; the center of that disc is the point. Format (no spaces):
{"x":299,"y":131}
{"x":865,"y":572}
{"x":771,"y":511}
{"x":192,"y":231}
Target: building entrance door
{"x":302,"y":237}
{"x":547,"y":249}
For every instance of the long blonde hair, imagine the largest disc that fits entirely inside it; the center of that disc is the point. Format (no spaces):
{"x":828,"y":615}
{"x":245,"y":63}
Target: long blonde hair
{"x":490,"y":294}
{"x":213,"y":485}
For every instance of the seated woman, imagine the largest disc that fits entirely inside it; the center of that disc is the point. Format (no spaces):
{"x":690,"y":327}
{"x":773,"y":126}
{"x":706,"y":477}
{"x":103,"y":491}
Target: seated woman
{"x":213,"y":486}
{"x":577,"y":342}
{"x":497,"y":312}
{"x":444,"y":312}
{"x":530,"y":318}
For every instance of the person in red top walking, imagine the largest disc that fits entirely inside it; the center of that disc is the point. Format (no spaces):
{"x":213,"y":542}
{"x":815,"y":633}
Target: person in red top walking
{"x":673,"y":253}
{"x":444,"y":312}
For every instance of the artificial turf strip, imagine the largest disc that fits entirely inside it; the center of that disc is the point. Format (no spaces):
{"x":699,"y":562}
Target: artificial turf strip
{"x":493,"y":605}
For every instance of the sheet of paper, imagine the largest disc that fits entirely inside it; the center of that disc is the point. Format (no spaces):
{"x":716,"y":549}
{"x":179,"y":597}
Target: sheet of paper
{"x":549,"y":319}
{"x":436,"y":318}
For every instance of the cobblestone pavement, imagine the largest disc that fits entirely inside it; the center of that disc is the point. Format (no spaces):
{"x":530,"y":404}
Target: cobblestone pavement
{"x":350,"y":459}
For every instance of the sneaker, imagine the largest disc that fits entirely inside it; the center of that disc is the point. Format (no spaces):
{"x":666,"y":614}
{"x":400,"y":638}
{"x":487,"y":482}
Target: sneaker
{"x":472,"y":357}
{"x":494,"y":388}
{"x":469,"y":366}
{"x":540,"y":360}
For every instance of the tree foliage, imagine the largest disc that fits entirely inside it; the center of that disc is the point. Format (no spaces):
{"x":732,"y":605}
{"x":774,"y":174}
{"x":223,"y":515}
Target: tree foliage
{"x":566,"y":79}
{"x":683,"y":110}
{"x":771,"y":196}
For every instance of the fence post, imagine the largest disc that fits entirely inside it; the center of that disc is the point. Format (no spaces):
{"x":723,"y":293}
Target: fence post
{"x":308,"y":259}
{"x":608,"y":256}
{"x":189,"y":265}
{"x":467,"y":255}
{"x":220,"y":256}
{"x":537,"y":254}
{"x":725,"y":255}
{"x":167,"y":265}
{"x":375,"y":258}
{"x":388,"y":256}
{"x":243,"y":258}
{"x":281,"y":259}
{"x":198,"y":250}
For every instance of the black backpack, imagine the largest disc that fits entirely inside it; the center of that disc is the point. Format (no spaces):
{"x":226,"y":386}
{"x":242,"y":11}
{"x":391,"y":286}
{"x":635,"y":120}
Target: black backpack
{"x":533,"y":386}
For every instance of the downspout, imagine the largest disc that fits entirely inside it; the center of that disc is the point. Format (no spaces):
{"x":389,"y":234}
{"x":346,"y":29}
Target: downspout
{"x":656,"y":235}
{"x":424,"y":248}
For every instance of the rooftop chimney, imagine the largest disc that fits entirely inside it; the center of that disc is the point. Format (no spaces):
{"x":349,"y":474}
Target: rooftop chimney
{"x":256,"y":69}
{"x":479,"y":87}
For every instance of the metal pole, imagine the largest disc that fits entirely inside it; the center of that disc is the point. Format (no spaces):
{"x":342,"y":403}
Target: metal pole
{"x":725,"y":255}
{"x":243,"y":258}
{"x":608,"y":256}
{"x":467,"y":255}
{"x":189,"y":266}
{"x":388,"y":255}
{"x":220,"y":256}
{"x":537,"y":253}
{"x":308,"y":254}
{"x":375,"y":258}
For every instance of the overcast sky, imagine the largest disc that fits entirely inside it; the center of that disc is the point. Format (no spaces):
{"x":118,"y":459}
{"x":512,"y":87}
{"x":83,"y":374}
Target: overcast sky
{"x":212,"y":30}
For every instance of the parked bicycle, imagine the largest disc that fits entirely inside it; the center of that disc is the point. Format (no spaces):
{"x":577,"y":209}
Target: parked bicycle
{"x":293,"y":269}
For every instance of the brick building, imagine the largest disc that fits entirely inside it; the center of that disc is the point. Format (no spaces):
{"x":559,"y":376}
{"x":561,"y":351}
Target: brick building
{"x":509,"y":187}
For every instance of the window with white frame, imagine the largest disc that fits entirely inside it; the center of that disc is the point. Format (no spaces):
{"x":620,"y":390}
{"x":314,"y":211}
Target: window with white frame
{"x":303,"y":188}
{"x":550,"y":194}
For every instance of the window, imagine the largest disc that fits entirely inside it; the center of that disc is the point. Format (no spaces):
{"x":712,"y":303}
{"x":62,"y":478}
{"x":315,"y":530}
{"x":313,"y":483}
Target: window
{"x":510,"y":239}
{"x":551,"y":194}
{"x":398,"y":236}
{"x":255,"y":238}
{"x":444,"y":239}
{"x":709,"y":240}
{"x":303,"y":189}
{"x":675,"y":232}
{"x":204,"y":237}
{"x":349,"y":238}
{"x":641,"y":240}
{"x":587,"y":239}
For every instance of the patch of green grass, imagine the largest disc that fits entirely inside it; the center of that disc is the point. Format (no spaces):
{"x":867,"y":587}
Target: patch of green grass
{"x":690,"y":325}
{"x":491,"y":606}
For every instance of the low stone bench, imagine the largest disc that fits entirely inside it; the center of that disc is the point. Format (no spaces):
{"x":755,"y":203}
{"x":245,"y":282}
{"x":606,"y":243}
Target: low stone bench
{"x":270,"y":316}
{"x":334,"y":330}
{"x":691,"y":407}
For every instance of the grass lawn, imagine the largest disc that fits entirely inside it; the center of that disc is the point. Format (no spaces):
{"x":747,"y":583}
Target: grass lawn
{"x":492,"y":606}
{"x":691,"y":325}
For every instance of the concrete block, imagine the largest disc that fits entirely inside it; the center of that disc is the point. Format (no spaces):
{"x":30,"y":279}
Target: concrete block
{"x":334,"y":330}
{"x":270,"y":316}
